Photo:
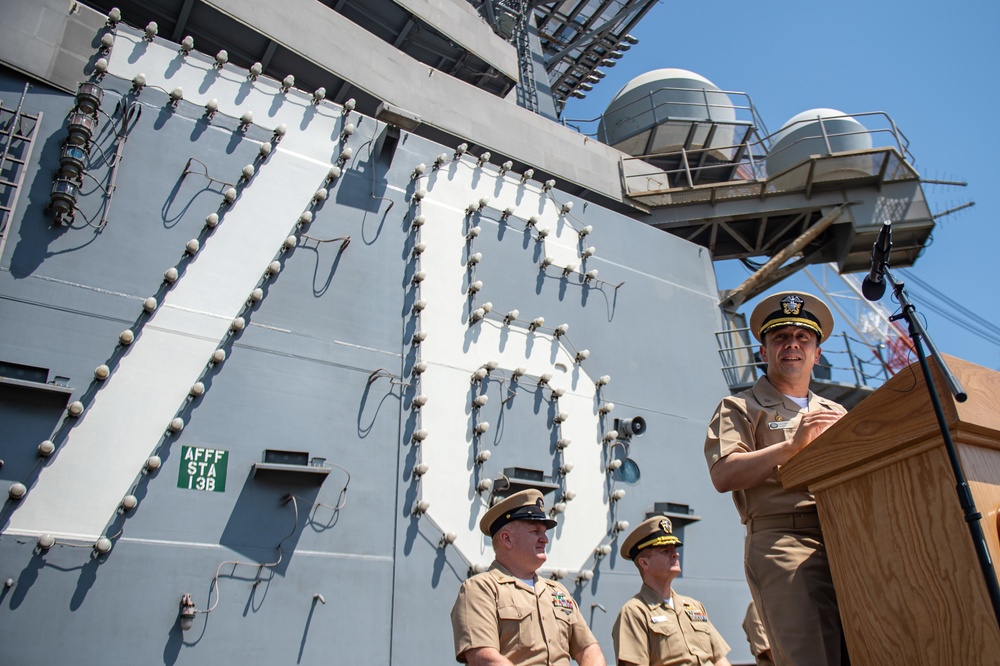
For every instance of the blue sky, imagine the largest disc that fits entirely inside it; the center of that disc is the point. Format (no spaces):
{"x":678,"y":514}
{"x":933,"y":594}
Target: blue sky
{"x":931,"y":66}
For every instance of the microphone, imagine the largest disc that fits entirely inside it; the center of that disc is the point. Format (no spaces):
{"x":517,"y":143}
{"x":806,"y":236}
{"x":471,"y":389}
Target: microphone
{"x":874,"y":284}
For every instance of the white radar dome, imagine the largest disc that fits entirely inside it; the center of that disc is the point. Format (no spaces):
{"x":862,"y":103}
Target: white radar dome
{"x":808,"y":133}
{"x":655,"y":113}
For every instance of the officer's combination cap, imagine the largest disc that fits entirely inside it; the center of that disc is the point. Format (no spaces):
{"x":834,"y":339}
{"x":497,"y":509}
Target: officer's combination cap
{"x":791,"y":308}
{"x":525,"y":505}
{"x":655,"y":531}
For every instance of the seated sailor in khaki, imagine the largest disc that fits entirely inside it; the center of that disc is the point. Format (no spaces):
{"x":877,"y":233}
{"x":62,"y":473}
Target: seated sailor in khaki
{"x":659,"y":627}
{"x":507,"y":614}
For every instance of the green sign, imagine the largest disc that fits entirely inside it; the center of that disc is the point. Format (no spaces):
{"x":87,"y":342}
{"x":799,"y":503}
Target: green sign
{"x":203,"y":469}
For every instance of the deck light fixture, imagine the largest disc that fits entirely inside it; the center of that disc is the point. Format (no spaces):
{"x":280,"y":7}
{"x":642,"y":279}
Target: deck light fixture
{"x":187,"y":613}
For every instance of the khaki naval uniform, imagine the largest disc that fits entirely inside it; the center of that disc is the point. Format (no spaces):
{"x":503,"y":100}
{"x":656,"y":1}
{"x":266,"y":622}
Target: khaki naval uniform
{"x":648,"y":631}
{"x":531,"y":627}
{"x":754,"y":630}
{"x":784,"y":554}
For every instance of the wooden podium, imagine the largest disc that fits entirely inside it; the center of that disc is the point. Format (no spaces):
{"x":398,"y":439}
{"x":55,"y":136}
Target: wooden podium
{"x":909,"y":583}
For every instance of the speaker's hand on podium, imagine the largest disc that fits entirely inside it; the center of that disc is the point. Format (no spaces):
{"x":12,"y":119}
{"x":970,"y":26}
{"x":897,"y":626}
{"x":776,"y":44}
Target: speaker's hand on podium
{"x":812,"y":425}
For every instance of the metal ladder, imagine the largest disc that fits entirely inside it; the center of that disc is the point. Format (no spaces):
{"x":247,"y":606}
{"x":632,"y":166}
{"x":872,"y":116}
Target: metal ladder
{"x":527,"y":92}
{"x":17,"y":131}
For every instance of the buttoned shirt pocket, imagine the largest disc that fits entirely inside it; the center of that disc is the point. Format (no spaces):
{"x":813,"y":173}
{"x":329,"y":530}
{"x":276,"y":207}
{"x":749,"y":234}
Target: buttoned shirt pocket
{"x":565,"y":623}
{"x":665,"y":639}
{"x":702,"y":637}
{"x":664,"y":624}
{"x":518,"y":628}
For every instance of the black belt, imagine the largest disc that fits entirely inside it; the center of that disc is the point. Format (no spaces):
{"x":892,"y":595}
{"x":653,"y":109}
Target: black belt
{"x":789,"y":521}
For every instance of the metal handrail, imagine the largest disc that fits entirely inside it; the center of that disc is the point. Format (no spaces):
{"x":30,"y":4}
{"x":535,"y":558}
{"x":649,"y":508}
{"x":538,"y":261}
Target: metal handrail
{"x":856,"y":365}
{"x":751,"y":154}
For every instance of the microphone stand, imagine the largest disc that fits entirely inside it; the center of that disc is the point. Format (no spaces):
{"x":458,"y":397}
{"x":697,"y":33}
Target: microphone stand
{"x":972,"y":517}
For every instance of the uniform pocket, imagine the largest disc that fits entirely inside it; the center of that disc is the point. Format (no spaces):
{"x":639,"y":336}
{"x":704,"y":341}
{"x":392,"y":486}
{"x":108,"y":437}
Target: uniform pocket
{"x":517,"y":628}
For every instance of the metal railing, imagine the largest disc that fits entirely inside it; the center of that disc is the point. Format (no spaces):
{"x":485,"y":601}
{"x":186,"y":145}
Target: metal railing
{"x":845,"y":360}
{"x":750,"y":156}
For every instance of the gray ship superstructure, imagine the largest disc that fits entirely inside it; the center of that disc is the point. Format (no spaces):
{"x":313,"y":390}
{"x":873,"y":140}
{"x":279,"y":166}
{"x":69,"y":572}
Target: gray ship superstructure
{"x":273,"y":340}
